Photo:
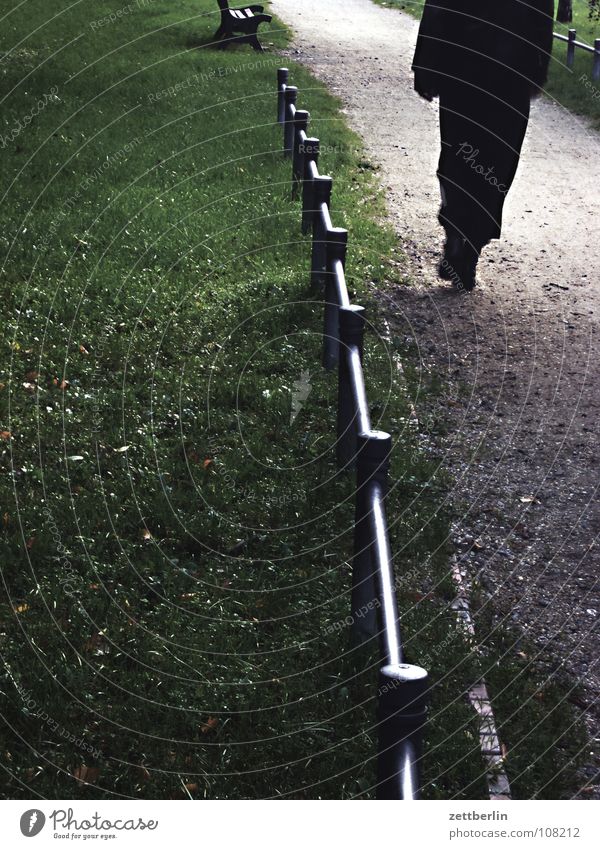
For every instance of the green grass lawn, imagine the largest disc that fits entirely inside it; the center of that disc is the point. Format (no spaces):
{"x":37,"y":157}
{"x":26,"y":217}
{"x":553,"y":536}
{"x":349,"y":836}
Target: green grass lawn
{"x":175,"y":551}
{"x":572,"y":88}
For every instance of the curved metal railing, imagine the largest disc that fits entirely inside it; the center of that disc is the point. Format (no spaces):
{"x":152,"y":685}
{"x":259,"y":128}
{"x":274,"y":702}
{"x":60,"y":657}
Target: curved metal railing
{"x":403,"y":687}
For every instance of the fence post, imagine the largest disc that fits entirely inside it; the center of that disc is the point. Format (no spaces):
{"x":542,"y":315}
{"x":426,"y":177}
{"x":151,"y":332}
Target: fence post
{"x":282,"y":80}
{"x":372,"y":463}
{"x":301,"y":119}
{"x":596,"y":65}
{"x":352,"y":330}
{"x":571,"y":48}
{"x":322,"y":195}
{"x":308,"y":187}
{"x":401,"y":715}
{"x":290,"y":95}
{"x":335,"y":247}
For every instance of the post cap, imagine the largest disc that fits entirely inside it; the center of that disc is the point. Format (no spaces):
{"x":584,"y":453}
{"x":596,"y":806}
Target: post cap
{"x":404,"y":689}
{"x":374,"y":449}
{"x":352,"y":324}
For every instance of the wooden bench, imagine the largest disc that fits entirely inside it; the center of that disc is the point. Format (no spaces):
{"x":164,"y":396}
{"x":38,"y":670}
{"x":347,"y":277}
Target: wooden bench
{"x":245,"y":20}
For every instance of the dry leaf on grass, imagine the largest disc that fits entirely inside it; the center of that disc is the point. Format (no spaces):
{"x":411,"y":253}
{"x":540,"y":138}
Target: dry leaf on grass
{"x":86,"y":774}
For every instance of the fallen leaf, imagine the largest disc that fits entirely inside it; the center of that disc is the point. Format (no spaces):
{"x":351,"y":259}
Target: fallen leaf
{"x":208,"y":463}
{"x":83,"y":350}
{"x":94,"y":644}
{"x":21,"y":608}
{"x":145,"y":533}
{"x":210,"y":724}
{"x":86,"y":774}
{"x":33,"y":772}
{"x":32,"y":375}
{"x":5,"y":435}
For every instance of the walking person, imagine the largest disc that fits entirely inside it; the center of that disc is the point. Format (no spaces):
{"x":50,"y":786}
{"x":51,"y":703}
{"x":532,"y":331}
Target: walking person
{"x":485,"y":60}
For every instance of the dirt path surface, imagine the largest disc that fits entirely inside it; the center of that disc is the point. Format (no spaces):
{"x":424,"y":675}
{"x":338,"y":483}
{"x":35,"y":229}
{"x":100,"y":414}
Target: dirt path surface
{"x":523,"y":443}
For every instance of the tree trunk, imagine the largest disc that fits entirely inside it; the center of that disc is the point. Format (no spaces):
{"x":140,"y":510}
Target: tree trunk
{"x":564,"y":14}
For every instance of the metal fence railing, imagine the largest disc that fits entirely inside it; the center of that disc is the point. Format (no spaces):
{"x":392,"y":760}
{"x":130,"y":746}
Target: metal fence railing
{"x":573,"y":44}
{"x":403,"y":687}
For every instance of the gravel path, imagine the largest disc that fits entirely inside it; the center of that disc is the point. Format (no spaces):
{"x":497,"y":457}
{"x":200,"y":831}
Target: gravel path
{"x":524,"y":442}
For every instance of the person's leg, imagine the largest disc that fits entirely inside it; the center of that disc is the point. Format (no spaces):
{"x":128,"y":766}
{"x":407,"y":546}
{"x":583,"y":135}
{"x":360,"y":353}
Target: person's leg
{"x":449,"y":192}
{"x":481,"y":137}
{"x":502,"y":117}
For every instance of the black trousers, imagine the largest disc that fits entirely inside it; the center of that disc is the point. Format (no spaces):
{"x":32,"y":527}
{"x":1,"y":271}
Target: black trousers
{"x":482,"y":129}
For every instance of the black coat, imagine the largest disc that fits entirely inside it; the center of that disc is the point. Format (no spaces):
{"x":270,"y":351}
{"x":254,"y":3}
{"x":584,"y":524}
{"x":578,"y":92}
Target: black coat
{"x":498,"y":45}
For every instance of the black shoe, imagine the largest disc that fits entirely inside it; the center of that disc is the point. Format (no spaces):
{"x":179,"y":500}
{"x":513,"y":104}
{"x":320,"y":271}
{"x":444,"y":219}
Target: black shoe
{"x":471,"y":258}
{"x":451,"y":262}
{"x":464,"y":276}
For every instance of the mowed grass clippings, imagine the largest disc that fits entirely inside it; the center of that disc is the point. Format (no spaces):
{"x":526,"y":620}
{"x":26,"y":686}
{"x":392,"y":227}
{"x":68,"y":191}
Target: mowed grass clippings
{"x":176,"y":547}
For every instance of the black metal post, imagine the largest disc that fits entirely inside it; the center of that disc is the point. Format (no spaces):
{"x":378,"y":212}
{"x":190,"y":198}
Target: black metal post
{"x":290,"y":96}
{"x":282,"y":80}
{"x":571,"y":48}
{"x":336,"y":247}
{"x":596,"y":65}
{"x":301,"y":119}
{"x":352,"y":330}
{"x":373,"y":460}
{"x":401,"y":714}
{"x":323,"y":188}
{"x":311,"y":154}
